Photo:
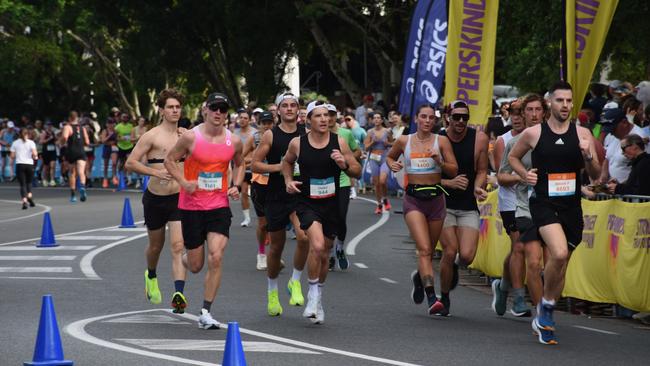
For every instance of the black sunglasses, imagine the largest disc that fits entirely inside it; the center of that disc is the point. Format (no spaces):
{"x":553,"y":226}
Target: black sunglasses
{"x":221,"y":107}
{"x":623,"y":147}
{"x":460,"y":116}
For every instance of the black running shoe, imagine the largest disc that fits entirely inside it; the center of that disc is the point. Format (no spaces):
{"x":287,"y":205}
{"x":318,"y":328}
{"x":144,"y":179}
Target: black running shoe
{"x":447,"y":305}
{"x":417,"y":293}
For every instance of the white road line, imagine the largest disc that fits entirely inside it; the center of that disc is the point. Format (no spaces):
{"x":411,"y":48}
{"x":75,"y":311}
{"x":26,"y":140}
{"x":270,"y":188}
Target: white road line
{"x":60,"y":247}
{"x":147,"y":319}
{"x":35,"y":269}
{"x":37,"y":257}
{"x":387,"y":280}
{"x":360,"y":265}
{"x":73,"y":233}
{"x":86,"y":263}
{"x":46,"y":209}
{"x":352,"y":245}
{"x":129,"y":229}
{"x":44,"y":278}
{"x":91,"y":237}
{"x":211,"y":345}
{"x":595,"y":330}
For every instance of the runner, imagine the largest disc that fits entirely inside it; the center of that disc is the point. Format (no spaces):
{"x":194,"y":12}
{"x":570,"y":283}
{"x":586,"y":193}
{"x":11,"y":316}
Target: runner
{"x":426,"y":156}
{"x":460,"y":229}
{"x":75,"y":137}
{"x":48,"y":141}
{"x":280,"y":206}
{"x":337,"y":255}
{"x":560,"y":150}
{"x":124,"y":145}
{"x":160,"y":199}
{"x":203,"y":200}
{"x":108,"y":137}
{"x":244,"y":132}
{"x":377,"y":143}
{"x":136,"y":133}
{"x":322,"y":156}
{"x":259,"y":189}
{"x":23,"y":152}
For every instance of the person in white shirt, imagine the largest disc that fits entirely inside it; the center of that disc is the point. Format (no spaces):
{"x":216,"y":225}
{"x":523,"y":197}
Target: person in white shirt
{"x":616,"y":166}
{"x":23,"y":152}
{"x":361,"y":113}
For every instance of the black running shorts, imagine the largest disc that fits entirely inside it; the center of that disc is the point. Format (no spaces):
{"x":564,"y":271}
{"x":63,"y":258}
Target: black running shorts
{"x":546,"y":213}
{"x":509,"y":223}
{"x":327,"y":214}
{"x":197,"y":225}
{"x":258,"y":196}
{"x":277,"y":212}
{"x":158,"y":210}
{"x":527,"y":230}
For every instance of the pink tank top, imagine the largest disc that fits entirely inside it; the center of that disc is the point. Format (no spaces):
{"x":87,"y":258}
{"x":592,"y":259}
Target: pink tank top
{"x":207,"y":164}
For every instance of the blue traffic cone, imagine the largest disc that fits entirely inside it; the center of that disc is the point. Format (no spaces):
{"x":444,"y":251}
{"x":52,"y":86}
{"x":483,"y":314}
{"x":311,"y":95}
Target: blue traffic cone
{"x":122,"y":182}
{"x":127,"y":216}
{"x":145,"y":183}
{"x":48,"y":349}
{"x":233,"y":354}
{"x":47,"y":234}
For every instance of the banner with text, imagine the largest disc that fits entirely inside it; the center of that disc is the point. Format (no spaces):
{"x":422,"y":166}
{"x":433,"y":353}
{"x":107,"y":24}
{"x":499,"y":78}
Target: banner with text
{"x":470,"y":65}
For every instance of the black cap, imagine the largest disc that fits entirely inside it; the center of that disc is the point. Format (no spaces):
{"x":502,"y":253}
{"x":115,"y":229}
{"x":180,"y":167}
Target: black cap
{"x":266,"y":116}
{"x":610,"y":118}
{"x":217,"y":97}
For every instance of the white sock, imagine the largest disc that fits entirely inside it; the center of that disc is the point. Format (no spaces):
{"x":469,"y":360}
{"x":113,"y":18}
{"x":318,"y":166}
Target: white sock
{"x":272,"y":283}
{"x":339,"y":244}
{"x":313,"y":287}
{"x":247,"y":214}
{"x":296,"y":275}
{"x":548,"y":302}
{"x":320,"y":288}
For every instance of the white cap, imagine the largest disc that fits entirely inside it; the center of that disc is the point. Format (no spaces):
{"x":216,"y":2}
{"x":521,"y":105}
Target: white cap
{"x":610,"y":105}
{"x":286,"y":95}
{"x":11,"y":124}
{"x":258,"y":110}
{"x":316,"y":104}
{"x":331,"y":108}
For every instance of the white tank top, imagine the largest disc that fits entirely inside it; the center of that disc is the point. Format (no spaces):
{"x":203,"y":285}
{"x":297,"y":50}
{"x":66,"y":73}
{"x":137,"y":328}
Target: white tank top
{"x":420,"y":162}
{"x":507,"y":195}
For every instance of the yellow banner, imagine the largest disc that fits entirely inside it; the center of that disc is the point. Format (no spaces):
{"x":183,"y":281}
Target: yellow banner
{"x":587,"y":24}
{"x":493,"y":241}
{"x":469,"y":69}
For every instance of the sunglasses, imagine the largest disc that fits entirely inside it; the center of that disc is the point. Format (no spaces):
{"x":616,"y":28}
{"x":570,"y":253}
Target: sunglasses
{"x":623,"y":147}
{"x":348,"y":119}
{"x":221,"y":107}
{"x":460,"y":116}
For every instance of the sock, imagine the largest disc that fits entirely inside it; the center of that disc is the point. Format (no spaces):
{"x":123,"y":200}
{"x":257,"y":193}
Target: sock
{"x":151,"y":273}
{"x":339,"y":244}
{"x":261,"y":248}
{"x":207,"y":305}
{"x":296,"y":275}
{"x":430,"y":291}
{"x":320,"y":288}
{"x":313,"y":287}
{"x":548,"y":302}
{"x":179,"y":285}
{"x":72,"y":192}
{"x":247,"y":214}
{"x":505,"y":284}
{"x":272,"y":283}
{"x":518,"y":292}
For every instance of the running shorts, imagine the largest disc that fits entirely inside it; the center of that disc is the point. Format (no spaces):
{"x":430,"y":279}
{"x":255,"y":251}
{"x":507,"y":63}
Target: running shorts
{"x":197,"y":224}
{"x":158,"y":210}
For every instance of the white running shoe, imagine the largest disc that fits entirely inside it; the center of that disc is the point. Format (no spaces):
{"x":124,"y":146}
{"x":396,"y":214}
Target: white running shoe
{"x":207,"y":322}
{"x":261,"y":262}
{"x":353,"y":193}
{"x":246,"y":222}
{"x":311,"y":310}
{"x":320,"y":314}
{"x":52,"y":183}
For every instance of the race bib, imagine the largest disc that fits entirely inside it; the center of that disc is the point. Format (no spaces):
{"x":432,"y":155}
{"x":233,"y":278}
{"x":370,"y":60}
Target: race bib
{"x":126,"y":138}
{"x":50,"y":148}
{"x":375,"y":157}
{"x":115,"y":149}
{"x":210,"y":181}
{"x":422,"y":163}
{"x":88,"y":149}
{"x":321,"y":188}
{"x":296,"y":169}
{"x":561,"y":184}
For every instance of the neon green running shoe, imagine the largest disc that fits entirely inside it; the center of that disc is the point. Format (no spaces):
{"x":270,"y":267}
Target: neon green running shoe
{"x":295,"y":292}
{"x":151,"y":290}
{"x":274,"y":308}
{"x":179,"y":302}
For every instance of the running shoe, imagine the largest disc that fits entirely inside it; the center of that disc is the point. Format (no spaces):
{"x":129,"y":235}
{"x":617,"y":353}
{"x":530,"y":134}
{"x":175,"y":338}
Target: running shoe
{"x":24,"y":205}
{"x":544,"y":319}
{"x":417,"y":293}
{"x":320,"y":314}
{"x":31,"y":202}
{"x":44,"y":183}
{"x":116,"y":181}
{"x":544,"y":336}
{"x":311,"y":310}
{"x":206,"y":321}
{"x":378,"y":210}
{"x":387,"y":205}
{"x":82,"y":194}
{"x":499,"y":298}
{"x":295,"y":292}
{"x":261,"y":262}
{"x":353,"y":193}
{"x":137,"y":184}
{"x":52,"y":183}
{"x":342,"y":259}
{"x":105,"y":183}
{"x":273,"y":307}
{"x":519,"y":307}
{"x":151,"y":290}
{"x":435,"y":305}
{"x":332,"y":264}
{"x":455,"y":277}
{"x":179,"y":302}
{"x":446,"y":305}
{"x":73,"y":198}
{"x":246,"y":222}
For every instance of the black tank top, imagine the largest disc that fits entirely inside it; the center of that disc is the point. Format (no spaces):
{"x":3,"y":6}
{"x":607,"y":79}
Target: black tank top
{"x":464,"y":152}
{"x":279,"y":147}
{"x":558,"y":161}
{"x":75,"y":140}
{"x":319,"y":173}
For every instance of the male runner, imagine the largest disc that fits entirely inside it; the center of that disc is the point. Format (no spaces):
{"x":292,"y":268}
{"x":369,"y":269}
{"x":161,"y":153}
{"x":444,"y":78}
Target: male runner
{"x":244,"y":132}
{"x":160,"y":200}
{"x":322,"y":156}
{"x":74,"y":138}
{"x":124,"y":144}
{"x":460,"y":229}
{"x":280,"y":206}
{"x":208,"y":148}
{"x":560,"y":149}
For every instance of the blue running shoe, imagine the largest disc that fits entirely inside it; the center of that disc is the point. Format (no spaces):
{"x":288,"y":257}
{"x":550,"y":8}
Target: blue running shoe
{"x":544,"y":319}
{"x":82,"y":194}
{"x":544,"y":336}
{"x":73,"y":198}
{"x":499,"y":298}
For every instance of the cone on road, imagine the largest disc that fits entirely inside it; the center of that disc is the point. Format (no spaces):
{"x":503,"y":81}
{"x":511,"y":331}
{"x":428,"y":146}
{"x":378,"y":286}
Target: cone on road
{"x":233,"y":354}
{"x":145,"y":183}
{"x":122,"y":182}
{"x":127,"y":215}
{"x":48,"y":349}
{"x":47,"y":234}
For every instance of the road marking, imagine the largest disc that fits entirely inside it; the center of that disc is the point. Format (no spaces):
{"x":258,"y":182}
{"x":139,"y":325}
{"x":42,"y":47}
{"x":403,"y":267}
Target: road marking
{"x":77,"y":330}
{"x":595,"y":330}
{"x":46,"y":209}
{"x":147,"y":319}
{"x":211,"y":345}
{"x":87,"y":260}
{"x":90,"y":237}
{"x":360,"y":265}
{"x":387,"y":280}
{"x":72,"y":233}
{"x":37,"y":257}
{"x":352,"y":245}
{"x":44,"y":278}
{"x":128,"y":229}
{"x":61,"y":247}
{"x":36,"y":269}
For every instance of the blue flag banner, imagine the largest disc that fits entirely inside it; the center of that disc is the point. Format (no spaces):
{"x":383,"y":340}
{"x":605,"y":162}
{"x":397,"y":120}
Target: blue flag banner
{"x":424,"y":64}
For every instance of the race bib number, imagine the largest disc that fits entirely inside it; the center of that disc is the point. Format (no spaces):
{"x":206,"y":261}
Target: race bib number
{"x":296,"y":169}
{"x":50,"y":148}
{"x":321,"y":188}
{"x":115,"y":149}
{"x":375,"y":157}
{"x":561,"y":184}
{"x":210,"y":181}
{"x":421,"y":163}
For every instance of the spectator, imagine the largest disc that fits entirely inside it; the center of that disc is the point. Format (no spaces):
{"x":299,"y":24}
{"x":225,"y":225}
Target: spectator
{"x":358,"y":132}
{"x":361,"y":113}
{"x":7,"y":137}
{"x":638,"y":183}
{"x":615,"y":166}
{"x":633,"y":110}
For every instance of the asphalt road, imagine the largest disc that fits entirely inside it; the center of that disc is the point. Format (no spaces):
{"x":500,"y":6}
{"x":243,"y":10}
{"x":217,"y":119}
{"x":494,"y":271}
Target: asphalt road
{"x":96,"y":279}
